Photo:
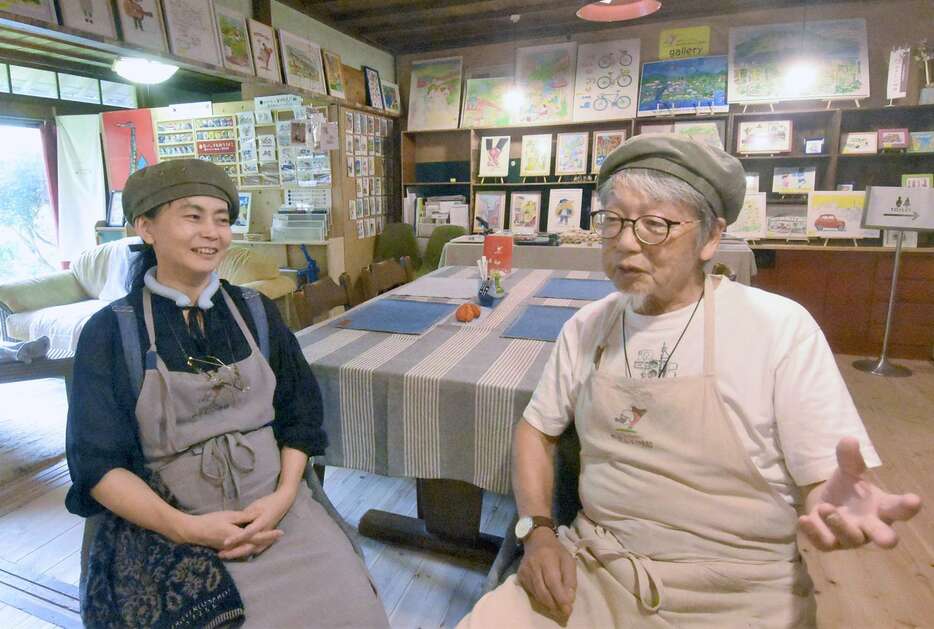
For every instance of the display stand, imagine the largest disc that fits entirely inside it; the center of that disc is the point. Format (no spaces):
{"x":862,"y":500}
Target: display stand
{"x":881,"y":366}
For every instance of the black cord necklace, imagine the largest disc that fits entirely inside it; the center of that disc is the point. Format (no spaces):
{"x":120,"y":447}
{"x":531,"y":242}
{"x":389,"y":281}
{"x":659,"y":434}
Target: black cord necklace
{"x":664,"y":369}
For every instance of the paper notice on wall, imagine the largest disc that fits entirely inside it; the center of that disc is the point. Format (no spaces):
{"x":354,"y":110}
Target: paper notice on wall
{"x":897,"y":84}
{"x":328,"y":137}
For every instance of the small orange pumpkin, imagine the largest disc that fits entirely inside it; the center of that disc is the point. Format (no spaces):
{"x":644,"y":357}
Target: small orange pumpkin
{"x":465,"y":313}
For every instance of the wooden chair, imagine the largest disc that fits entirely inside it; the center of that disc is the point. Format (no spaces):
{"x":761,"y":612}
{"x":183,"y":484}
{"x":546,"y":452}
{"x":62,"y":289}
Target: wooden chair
{"x":382,"y":276}
{"x":321,"y":296}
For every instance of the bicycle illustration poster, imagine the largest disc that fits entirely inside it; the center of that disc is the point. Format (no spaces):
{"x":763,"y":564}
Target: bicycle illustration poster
{"x":607,"y":80}
{"x":546,"y":73}
{"x":684,"y":86}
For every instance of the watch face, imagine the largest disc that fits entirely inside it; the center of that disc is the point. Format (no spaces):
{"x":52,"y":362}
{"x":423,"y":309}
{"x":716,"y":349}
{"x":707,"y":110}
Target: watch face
{"x":523,"y":527}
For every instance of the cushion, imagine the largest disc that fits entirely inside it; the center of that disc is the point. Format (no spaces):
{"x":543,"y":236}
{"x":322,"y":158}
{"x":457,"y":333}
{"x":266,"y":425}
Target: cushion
{"x":62,"y":324}
{"x":242,"y":265}
{"x":93,"y":267}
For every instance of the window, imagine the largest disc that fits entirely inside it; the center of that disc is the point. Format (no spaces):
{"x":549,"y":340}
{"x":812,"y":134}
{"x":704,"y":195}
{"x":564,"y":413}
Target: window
{"x":79,"y":88}
{"x":33,"y":82}
{"x":27,"y":230}
{"x":4,"y":79}
{"x":48,"y":84}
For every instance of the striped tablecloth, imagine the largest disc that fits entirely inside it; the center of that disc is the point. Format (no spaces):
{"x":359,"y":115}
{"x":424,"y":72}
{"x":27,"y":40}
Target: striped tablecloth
{"x":439,"y":405}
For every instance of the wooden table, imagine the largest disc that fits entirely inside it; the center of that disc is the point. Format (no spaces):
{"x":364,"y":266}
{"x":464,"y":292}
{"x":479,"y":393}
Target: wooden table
{"x":55,"y":366}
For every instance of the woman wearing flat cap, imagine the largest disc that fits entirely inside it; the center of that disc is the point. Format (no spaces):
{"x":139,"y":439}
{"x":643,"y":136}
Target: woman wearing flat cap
{"x":190,"y":424}
{"x":713,"y":423}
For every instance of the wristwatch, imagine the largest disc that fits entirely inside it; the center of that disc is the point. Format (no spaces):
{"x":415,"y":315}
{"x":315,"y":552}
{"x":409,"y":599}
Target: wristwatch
{"x":529,"y":523}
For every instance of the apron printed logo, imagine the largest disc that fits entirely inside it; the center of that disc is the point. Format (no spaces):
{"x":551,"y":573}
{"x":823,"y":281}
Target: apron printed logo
{"x":627,"y":432}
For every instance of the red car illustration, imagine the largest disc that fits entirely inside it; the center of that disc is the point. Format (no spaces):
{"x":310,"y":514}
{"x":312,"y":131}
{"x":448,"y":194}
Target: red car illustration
{"x":829,"y":221}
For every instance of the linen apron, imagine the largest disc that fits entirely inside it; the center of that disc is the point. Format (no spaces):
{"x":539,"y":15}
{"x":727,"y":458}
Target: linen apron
{"x":211,"y":441}
{"x":690,"y":533}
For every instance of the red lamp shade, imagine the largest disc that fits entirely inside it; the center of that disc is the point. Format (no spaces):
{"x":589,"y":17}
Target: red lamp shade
{"x":618,"y":10}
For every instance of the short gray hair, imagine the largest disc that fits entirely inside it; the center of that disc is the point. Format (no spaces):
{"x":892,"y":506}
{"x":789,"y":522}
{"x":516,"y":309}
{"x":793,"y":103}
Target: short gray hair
{"x":663,"y":188}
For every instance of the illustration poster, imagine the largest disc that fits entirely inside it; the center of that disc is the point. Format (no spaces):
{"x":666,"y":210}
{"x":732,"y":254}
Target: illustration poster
{"x":494,"y":156}
{"x":706,"y":132}
{"x":684,"y":85}
{"x":192,"y":30}
{"x":524,"y":208}
{"x":604,"y":143}
{"x":334,"y":73}
{"x":571,"y":153}
{"x":546,"y":74}
{"x":435,"y":94}
{"x":536,"y":156}
{"x":485,"y":103}
{"x":766,"y":66}
{"x":141,"y":23}
{"x":564,"y":209}
{"x":788,"y":221}
{"x":265,"y":51}
{"x":491,"y":207}
{"x":837,"y":215}
{"x":93,"y":16}
{"x":302,"y":62}
{"x":793,"y":179}
{"x":750,"y":223}
{"x":607,"y":80}
{"x":36,"y":9}
{"x":391,"y":97}
{"x":129,"y":144}
{"x":235,"y":40}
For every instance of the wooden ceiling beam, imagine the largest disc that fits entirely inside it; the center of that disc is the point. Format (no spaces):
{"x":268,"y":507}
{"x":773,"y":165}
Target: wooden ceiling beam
{"x":486,"y":9}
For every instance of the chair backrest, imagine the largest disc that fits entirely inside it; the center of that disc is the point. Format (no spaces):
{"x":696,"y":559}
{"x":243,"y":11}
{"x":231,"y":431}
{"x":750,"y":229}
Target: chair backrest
{"x":439,"y":237}
{"x":382,"y":276}
{"x":397,"y":241}
{"x":567,"y":501}
{"x":321,"y":296}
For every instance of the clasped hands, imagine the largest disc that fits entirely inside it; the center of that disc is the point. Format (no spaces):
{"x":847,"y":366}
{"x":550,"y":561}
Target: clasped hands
{"x":846,"y":511}
{"x":241,"y":534}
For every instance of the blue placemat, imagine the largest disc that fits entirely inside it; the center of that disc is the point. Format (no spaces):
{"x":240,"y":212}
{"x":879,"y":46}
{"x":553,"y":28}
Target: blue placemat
{"x":396,"y":316}
{"x":564,"y":288}
{"x":539,"y":323}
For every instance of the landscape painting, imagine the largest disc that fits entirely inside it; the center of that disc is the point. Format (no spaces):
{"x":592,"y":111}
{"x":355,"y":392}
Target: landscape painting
{"x":763,"y":60}
{"x":546,"y":74}
{"x":485,"y":103}
{"x":684,"y":85}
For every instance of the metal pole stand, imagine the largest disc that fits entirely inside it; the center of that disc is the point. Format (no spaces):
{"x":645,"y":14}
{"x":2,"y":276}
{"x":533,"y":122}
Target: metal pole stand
{"x":881,"y":366}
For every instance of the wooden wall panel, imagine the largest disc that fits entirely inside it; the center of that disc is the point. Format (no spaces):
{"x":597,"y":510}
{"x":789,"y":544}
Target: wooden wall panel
{"x":848,"y":293}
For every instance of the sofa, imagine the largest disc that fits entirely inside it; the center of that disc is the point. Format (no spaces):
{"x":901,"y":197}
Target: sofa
{"x":59,"y":304}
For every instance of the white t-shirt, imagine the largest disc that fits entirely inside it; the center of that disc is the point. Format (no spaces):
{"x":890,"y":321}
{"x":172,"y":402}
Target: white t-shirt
{"x":775,"y":372}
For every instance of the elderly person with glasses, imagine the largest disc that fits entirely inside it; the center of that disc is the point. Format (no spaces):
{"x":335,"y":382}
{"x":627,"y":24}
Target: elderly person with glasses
{"x":713,"y":421}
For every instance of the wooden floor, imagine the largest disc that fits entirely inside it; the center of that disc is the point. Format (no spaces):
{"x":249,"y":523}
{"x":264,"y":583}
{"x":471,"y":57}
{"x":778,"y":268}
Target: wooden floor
{"x":856,"y":589}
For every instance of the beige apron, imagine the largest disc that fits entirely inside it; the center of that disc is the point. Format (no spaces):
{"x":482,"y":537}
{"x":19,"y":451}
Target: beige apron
{"x":690,"y":533}
{"x":211,"y":440}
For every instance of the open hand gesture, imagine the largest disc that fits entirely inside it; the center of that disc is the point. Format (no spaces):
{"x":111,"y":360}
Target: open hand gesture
{"x":848,"y":511}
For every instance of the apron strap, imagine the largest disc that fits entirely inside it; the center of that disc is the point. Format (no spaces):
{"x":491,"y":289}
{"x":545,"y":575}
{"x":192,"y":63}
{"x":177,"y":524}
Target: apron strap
{"x":223,"y":459}
{"x":129,"y":338}
{"x":243,"y":326}
{"x":607,"y":550}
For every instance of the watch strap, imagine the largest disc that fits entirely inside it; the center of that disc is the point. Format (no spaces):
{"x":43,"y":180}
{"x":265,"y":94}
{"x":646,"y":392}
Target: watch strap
{"x":539,"y":521}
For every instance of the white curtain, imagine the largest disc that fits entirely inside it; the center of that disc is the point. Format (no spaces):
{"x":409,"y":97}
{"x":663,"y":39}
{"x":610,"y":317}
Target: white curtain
{"x":82,"y":199}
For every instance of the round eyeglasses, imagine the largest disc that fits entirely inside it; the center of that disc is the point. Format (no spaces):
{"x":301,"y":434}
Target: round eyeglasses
{"x":649,"y":229}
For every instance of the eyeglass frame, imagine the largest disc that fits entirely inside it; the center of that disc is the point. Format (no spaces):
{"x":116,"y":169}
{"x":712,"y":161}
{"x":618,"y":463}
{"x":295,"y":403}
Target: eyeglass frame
{"x":624,"y":221}
{"x":213,"y":377}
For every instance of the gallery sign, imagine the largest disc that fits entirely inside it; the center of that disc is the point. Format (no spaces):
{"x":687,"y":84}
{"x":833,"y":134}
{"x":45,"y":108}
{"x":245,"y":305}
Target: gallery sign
{"x":676,"y":43}
{"x":899,"y":208}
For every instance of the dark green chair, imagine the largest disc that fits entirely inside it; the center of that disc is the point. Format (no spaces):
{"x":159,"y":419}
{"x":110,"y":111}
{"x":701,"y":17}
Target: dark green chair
{"x":397,"y":241}
{"x":439,"y":237}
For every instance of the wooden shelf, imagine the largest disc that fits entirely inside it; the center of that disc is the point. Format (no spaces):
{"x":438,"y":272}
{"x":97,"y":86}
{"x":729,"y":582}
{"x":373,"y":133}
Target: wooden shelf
{"x":884,"y":155}
{"x":534,"y":183}
{"x":434,"y":131}
{"x":313,"y":243}
{"x":837,"y":248}
{"x":436,"y":183}
{"x":784,"y":157}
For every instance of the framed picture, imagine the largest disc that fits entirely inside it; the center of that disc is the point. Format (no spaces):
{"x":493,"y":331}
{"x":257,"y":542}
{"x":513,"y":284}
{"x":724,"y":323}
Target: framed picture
{"x":92,"y":16}
{"x":918,"y":180}
{"x":235,"y":40}
{"x":141,"y":24}
{"x":921,"y":142}
{"x":115,"y":216}
{"x":893,"y":138}
{"x":786,"y":221}
{"x":485,"y":103}
{"x":36,"y":9}
{"x":752,"y":182}
{"x":192,"y":30}
{"x":793,"y":180}
{"x":546,"y":74}
{"x":333,"y":73}
{"x":750,"y":223}
{"x":607,"y":81}
{"x":837,"y":215}
{"x":265,"y":51}
{"x":697,"y":84}
{"x":536,"y":156}
{"x":494,"y":156}
{"x":301,"y":60}
{"x":761,"y":55}
{"x":491,"y":207}
{"x":571,"y":153}
{"x":374,"y":91}
{"x":707,"y":132}
{"x":524,"y":208}
{"x":242,"y":224}
{"x":435,"y":94}
{"x":813,"y":146}
{"x":858,"y":143}
{"x":604,"y":143}
{"x":764,"y":136}
{"x":564,"y":209}
{"x":391,"y":98}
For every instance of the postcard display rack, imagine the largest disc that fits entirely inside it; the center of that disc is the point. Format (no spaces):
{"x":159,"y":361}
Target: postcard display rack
{"x":815,"y":157}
